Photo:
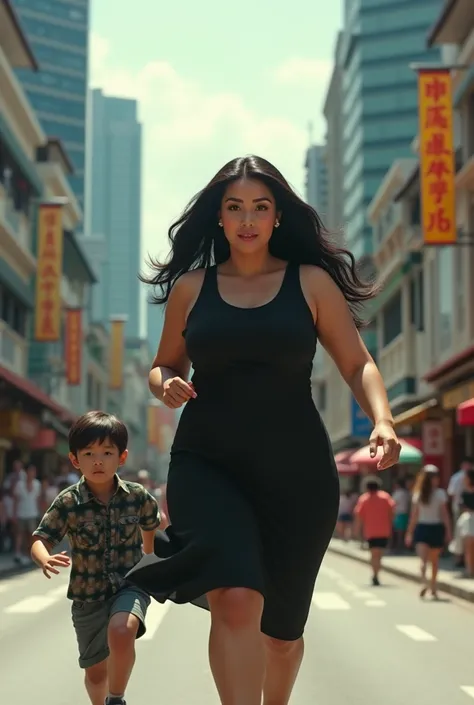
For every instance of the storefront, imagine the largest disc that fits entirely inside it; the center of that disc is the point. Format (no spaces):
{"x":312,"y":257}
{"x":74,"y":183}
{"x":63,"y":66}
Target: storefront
{"x":18,"y":431}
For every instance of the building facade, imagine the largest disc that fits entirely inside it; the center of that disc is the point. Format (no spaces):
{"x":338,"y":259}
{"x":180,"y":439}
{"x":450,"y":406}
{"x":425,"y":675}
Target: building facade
{"x":316,"y":185}
{"x":58,"y":31}
{"x":379,"y":96}
{"x":114,"y":227}
{"x":425,"y":315}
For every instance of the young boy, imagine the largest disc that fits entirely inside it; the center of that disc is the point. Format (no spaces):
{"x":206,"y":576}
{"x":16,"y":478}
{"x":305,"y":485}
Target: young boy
{"x":106,"y":521}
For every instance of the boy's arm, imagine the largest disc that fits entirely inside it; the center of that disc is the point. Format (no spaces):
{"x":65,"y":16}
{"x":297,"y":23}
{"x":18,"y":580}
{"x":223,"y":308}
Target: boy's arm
{"x":149,"y":521}
{"x":51,"y":530}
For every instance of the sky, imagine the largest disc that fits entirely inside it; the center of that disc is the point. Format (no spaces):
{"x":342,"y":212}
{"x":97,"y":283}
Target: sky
{"x":214,"y":81}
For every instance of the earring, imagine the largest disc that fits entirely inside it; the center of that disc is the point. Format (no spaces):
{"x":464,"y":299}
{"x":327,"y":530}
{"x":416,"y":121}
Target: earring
{"x":220,"y":223}
{"x":277,"y":223}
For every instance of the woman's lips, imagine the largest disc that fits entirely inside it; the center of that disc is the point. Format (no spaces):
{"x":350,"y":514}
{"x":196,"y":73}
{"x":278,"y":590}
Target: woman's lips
{"x":247,"y":235}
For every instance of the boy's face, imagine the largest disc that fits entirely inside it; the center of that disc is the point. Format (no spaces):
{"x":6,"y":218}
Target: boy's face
{"x":99,"y":461}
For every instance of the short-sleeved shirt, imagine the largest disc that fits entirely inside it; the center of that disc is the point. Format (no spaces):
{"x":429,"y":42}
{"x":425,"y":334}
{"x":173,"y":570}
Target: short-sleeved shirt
{"x":375,"y":510}
{"x":430,"y":513}
{"x":105,"y":538}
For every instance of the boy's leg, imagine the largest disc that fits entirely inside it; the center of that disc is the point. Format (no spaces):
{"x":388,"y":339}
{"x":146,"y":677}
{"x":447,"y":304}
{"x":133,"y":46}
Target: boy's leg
{"x":127,"y":623}
{"x":90,"y":622}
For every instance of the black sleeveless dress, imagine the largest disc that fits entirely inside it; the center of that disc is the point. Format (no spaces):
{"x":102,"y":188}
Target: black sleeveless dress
{"x":253,"y":491}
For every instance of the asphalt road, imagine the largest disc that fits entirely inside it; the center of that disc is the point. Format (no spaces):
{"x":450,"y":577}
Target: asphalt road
{"x":363,"y":645}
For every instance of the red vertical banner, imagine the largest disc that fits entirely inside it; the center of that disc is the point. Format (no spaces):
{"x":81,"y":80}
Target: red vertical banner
{"x":48,"y":276}
{"x":73,"y":344}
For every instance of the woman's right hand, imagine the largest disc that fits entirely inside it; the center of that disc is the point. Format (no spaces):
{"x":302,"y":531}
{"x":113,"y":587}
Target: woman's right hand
{"x":177,"y":392}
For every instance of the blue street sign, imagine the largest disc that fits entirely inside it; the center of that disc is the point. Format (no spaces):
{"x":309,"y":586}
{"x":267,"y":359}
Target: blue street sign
{"x":361,"y":425}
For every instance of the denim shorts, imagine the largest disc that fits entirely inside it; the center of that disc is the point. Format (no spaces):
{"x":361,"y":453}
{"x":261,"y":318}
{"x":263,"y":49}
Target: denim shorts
{"x":91,"y":622}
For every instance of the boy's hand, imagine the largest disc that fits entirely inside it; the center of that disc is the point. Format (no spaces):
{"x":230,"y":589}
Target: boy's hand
{"x":59,"y":559}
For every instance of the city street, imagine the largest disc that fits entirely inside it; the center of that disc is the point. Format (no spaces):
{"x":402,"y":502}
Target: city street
{"x":363,"y":645}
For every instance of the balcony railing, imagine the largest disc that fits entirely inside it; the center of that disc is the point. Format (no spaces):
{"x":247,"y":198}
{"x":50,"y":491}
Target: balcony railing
{"x":12,"y":350}
{"x":392,"y":360}
{"x":16,"y":224}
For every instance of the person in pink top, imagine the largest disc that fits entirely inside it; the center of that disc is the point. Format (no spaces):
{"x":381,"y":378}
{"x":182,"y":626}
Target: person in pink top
{"x":374,"y":514}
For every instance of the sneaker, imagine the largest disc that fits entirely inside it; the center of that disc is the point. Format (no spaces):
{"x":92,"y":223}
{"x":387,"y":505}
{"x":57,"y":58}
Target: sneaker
{"x":115,"y":700}
{"x":375,"y":581}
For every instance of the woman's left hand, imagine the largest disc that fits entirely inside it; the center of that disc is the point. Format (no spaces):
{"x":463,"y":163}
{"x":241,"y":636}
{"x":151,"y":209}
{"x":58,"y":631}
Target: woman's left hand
{"x":384,"y":435}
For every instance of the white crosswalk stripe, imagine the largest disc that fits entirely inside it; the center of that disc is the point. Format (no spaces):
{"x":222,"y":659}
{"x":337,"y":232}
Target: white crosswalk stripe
{"x":330,"y":601}
{"x":415,"y":633}
{"x":468,"y":689}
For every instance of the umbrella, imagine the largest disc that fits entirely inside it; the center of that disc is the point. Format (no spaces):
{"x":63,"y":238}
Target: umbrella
{"x":408,"y":455}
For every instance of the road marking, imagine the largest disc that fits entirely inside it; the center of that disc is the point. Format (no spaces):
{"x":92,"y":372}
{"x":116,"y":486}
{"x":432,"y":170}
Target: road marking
{"x":468,"y":689}
{"x":56,"y":592}
{"x":375,"y":603}
{"x":415,"y":633}
{"x":347,"y":585}
{"x":329,"y":572}
{"x":329,"y":601}
{"x":30,"y":605}
{"x":154,"y":616}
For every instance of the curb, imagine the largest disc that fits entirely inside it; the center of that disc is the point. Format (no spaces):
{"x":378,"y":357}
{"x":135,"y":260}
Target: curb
{"x":449,"y":588}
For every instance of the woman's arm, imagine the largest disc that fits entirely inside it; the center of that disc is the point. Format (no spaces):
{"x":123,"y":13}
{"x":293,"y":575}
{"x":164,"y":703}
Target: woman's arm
{"x":340,"y":337}
{"x":446,"y":519}
{"x":171,"y":359}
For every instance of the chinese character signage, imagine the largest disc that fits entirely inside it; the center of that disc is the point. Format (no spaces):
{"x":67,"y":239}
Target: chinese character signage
{"x":433,"y":438}
{"x":49,"y":273}
{"x":437,"y":162}
{"x":116,"y":354}
{"x":73,"y":346}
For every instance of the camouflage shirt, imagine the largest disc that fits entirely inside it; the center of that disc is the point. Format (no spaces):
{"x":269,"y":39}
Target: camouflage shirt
{"x":105,"y":538}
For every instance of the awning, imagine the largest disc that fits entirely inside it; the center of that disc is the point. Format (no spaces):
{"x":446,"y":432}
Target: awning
{"x":465,"y":413}
{"x":343,"y":463}
{"x":408,"y":455}
{"x":31,"y":390}
{"x":415,"y":414}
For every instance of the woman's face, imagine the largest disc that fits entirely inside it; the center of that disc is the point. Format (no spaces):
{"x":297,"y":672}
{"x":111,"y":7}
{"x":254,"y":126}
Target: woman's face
{"x":248,"y":215}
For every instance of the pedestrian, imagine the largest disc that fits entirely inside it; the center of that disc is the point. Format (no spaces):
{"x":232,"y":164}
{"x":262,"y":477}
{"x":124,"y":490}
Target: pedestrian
{"x":102,"y":516}
{"x":456,"y":487}
{"x":252,"y":282}
{"x":27,"y":497}
{"x":374,"y":514}
{"x":429,"y":528}
{"x":347,"y":502}
{"x":465,"y":524}
{"x":401,"y":497}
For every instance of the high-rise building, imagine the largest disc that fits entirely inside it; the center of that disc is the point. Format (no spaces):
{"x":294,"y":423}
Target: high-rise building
{"x":155,"y":320}
{"x":380,"y":40}
{"x":114,"y":192}
{"x":316,"y":179}
{"x":58,"y":31}
{"x":334,"y":145}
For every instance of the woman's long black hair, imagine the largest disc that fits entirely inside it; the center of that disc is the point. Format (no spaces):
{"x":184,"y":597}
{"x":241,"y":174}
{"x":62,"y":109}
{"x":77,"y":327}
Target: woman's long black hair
{"x":197,"y":240}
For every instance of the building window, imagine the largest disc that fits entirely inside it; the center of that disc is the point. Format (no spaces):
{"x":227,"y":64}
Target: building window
{"x":417,"y":302}
{"x":392,"y":319}
{"x":445,"y":297}
{"x":13,"y":312}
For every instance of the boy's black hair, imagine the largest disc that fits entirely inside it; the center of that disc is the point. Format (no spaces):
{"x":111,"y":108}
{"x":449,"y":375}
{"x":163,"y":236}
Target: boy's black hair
{"x":97,"y":426}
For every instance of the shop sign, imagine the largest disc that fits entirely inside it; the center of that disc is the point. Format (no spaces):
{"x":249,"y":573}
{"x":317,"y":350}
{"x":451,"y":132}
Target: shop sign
{"x":16,"y":425}
{"x":437,"y":168}
{"x":458,"y":395}
{"x":433,"y":438}
{"x":49,"y":273}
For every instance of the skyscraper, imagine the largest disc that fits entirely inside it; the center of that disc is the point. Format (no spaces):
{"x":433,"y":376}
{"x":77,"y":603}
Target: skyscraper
{"x":58,"y":32}
{"x":316,"y":179}
{"x":379,"y":96}
{"x":114,"y":168}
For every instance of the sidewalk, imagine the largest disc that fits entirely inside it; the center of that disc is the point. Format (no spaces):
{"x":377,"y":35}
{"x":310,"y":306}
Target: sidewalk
{"x":450,"y":579}
{"x":9,"y":567}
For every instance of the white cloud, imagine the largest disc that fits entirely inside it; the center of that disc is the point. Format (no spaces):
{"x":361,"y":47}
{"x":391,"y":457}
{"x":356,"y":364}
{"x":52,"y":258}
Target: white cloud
{"x":303,"y":72}
{"x":189,"y":132}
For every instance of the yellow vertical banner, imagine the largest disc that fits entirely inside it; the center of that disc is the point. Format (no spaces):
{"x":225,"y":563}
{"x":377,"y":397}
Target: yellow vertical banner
{"x":437,"y":158}
{"x":73,"y":346}
{"x":49,"y":273}
{"x":116,"y":353}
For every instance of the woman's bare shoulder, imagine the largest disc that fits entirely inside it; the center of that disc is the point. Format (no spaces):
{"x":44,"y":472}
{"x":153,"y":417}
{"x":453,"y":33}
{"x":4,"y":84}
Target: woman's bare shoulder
{"x":189,"y":283}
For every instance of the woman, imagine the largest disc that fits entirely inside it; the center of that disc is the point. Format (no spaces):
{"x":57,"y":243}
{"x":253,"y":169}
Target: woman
{"x":465,"y":523}
{"x":347,"y":503}
{"x":401,"y":497}
{"x":250,"y":440}
{"x":430,"y":526}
